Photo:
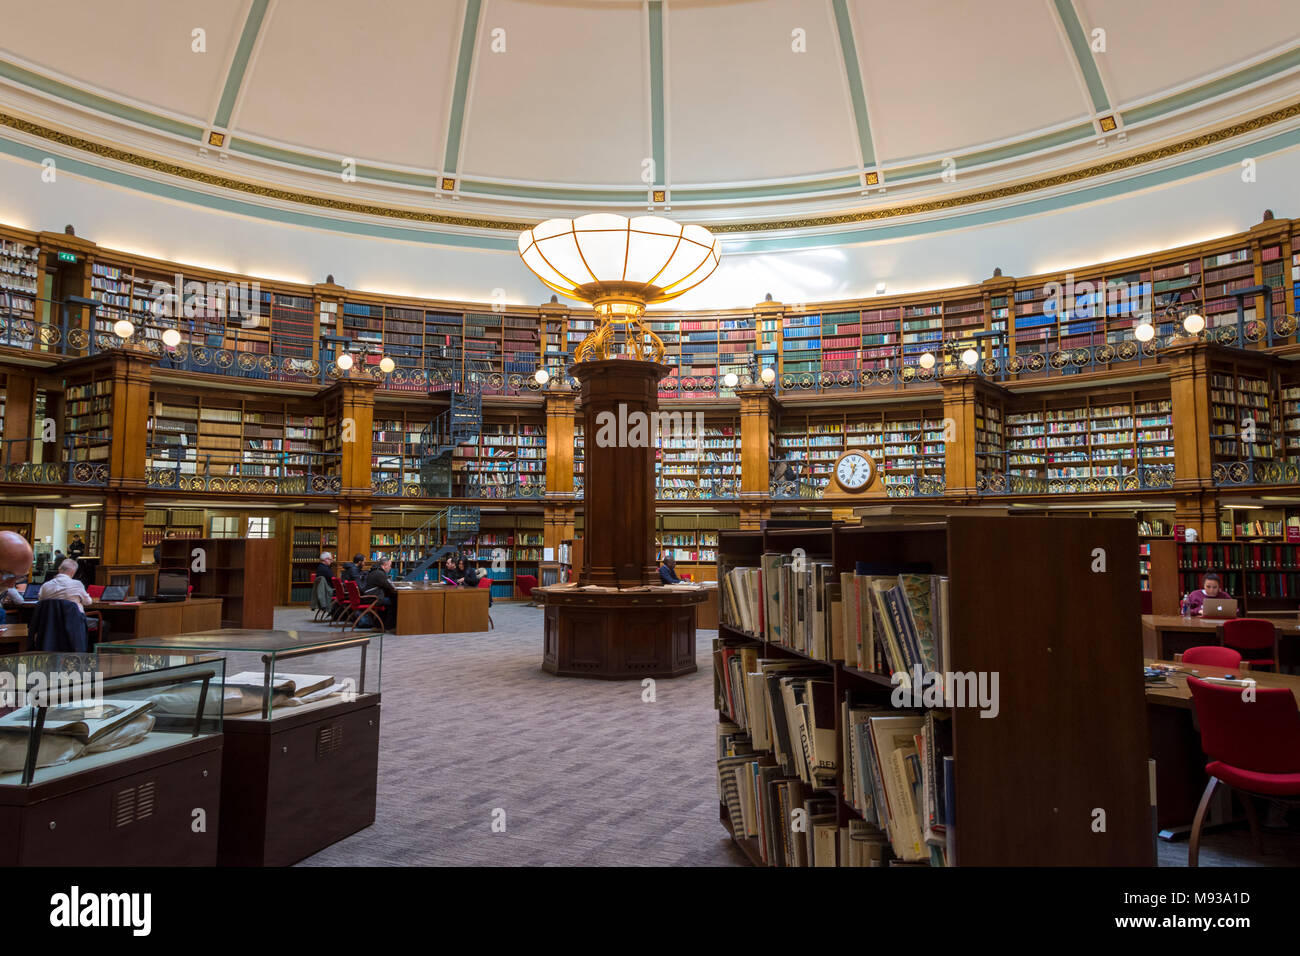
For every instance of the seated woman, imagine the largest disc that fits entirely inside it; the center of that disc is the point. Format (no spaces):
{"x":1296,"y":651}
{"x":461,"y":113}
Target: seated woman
{"x":1211,"y":588}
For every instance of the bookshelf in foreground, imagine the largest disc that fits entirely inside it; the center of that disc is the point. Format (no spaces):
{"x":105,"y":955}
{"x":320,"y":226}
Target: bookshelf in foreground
{"x":1001,"y":763}
{"x":240,"y":571}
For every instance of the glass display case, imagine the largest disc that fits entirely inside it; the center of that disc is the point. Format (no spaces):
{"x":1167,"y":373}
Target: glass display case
{"x":76,"y":738}
{"x":300,"y":732}
{"x":269,"y":675}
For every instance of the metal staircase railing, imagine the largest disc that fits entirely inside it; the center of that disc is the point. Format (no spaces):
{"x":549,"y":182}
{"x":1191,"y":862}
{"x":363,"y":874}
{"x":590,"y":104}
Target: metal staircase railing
{"x":447,"y":532}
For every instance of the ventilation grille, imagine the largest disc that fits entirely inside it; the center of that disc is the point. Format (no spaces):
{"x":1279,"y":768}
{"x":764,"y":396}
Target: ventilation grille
{"x":328,"y":740}
{"x":133,"y":804}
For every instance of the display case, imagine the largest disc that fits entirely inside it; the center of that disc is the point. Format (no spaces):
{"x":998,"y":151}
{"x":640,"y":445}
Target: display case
{"x":300,"y":712}
{"x":77,"y":740}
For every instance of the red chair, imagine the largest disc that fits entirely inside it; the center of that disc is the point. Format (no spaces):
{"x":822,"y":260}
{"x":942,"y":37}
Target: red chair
{"x":525,"y":584}
{"x":340,"y":605}
{"x":487,"y":583}
{"x":1212,"y":655}
{"x":1252,"y":634}
{"x":96,"y":591}
{"x":358,"y":608}
{"x":1253,"y":746}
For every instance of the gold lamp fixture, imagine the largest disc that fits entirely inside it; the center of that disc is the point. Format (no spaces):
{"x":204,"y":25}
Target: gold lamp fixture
{"x":619,"y":266}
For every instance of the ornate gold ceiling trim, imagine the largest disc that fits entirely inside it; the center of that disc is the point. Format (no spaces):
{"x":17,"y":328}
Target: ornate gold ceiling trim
{"x":414,"y":215}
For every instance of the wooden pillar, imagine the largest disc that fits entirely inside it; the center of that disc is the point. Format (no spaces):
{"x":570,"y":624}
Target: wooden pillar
{"x":354,"y":528}
{"x":1198,"y":510}
{"x":619,"y":487}
{"x":123,"y":528}
{"x":131,"y":373}
{"x":20,"y":409}
{"x":558,"y":525}
{"x":960,"y":394}
{"x":560,"y":402}
{"x":759,"y":410}
{"x":1189,"y":386}
{"x":350,"y":406}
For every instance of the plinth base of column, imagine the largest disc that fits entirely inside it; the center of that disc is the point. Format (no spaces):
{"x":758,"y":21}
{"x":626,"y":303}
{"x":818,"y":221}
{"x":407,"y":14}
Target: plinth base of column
{"x":619,"y":635}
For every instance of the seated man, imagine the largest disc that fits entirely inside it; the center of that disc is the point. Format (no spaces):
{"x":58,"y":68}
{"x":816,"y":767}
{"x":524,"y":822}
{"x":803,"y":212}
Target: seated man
{"x":65,"y":587}
{"x":668,"y":570}
{"x":451,"y":572}
{"x":15,"y":563}
{"x":1211,"y":588}
{"x":378,"y":585}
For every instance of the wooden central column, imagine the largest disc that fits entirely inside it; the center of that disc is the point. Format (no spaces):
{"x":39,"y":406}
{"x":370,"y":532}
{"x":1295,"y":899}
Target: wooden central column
{"x":620,"y":399}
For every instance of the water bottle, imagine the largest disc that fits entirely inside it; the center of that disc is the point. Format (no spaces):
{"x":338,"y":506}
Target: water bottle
{"x":1185,"y":609}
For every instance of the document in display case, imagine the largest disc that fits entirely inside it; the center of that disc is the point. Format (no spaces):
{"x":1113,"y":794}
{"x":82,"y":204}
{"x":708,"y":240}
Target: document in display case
{"x":75,"y":739}
{"x":300,"y":713}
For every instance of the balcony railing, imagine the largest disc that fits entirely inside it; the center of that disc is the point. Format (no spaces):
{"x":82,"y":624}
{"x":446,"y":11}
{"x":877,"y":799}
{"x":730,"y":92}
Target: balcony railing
{"x":997,"y":478}
{"x":264,"y":473}
{"x":1257,"y":471}
{"x":84,"y":462}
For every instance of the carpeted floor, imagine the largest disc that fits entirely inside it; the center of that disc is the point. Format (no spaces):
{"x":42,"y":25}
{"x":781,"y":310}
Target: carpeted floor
{"x":586,"y":772}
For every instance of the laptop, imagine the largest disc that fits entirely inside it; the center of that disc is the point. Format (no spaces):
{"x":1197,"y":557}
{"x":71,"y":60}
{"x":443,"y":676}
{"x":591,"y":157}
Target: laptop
{"x":33,"y":593}
{"x":114,"y":592}
{"x":172,"y":586}
{"x":1219,"y":609}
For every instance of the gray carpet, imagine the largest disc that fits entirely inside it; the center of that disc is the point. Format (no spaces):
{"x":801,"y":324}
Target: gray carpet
{"x":586,"y":773}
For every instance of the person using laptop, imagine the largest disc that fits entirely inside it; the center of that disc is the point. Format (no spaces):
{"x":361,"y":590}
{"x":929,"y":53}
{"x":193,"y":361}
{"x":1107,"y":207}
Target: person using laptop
{"x":1211,"y":589}
{"x":378,"y":585}
{"x":64,"y":586}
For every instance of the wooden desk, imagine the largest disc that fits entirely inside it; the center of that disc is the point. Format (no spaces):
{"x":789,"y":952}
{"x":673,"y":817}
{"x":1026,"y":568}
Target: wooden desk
{"x":419,"y":610}
{"x":465,"y":610}
{"x":13,"y":639}
{"x":1175,"y":742}
{"x":1164,"y":635}
{"x":706,"y":614}
{"x":441,"y":610}
{"x":159,"y":618}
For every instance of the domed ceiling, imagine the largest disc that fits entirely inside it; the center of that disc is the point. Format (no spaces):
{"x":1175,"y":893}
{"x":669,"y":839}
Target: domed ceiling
{"x":739,"y":114}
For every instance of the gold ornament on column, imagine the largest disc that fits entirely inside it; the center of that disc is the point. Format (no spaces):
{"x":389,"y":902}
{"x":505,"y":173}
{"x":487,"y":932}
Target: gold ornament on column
{"x":619,"y":266}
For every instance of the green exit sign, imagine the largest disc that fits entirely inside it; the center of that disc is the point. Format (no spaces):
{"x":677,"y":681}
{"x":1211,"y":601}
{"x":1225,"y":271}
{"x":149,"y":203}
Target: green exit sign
{"x":67,"y":257}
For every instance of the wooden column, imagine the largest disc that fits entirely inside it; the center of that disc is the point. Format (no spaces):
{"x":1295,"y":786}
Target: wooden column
{"x":1189,"y":386}
{"x":123,"y":528}
{"x":350,"y":403}
{"x":558,"y":525}
{"x":759,"y":410}
{"x":131,"y":372}
{"x":959,"y":411}
{"x":619,"y":486}
{"x":1198,"y":510}
{"x":20,"y":407}
{"x":354,"y":528}
{"x":559,"y":441}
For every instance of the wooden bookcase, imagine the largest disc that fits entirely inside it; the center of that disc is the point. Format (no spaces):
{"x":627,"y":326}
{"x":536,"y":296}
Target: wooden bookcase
{"x":508,"y":454}
{"x":240,"y":571}
{"x":1028,"y":781}
{"x":310,"y":534}
{"x":707,"y":468}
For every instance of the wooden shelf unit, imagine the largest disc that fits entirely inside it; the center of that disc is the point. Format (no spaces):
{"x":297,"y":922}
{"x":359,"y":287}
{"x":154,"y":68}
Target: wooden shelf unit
{"x":705,"y":466}
{"x":1026,"y":782}
{"x":519,"y":540}
{"x":811,"y":442}
{"x":310,"y":533}
{"x":240,"y":571}
{"x":510,"y":451}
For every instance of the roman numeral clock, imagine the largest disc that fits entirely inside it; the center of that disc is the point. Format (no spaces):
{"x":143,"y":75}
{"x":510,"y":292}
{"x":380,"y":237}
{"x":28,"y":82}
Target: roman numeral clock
{"x":853,"y":481}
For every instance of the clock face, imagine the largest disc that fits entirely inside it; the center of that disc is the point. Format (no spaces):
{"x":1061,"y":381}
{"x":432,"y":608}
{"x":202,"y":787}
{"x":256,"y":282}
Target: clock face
{"x":854,"y":471}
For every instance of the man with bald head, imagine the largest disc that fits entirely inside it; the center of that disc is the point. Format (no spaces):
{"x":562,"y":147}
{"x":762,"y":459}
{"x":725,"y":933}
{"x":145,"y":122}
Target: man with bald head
{"x":15,"y":562}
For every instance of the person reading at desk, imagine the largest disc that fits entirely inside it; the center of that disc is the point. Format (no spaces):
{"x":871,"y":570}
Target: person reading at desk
{"x":378,"y":585}
{"x":1210,"y":589}
{"x":668,"y":570}
{"x":451,"y":574}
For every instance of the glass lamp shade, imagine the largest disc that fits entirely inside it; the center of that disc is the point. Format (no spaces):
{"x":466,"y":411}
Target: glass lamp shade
{"x":768,"y":375}
{"x":345,"y":361}
{"x":386,"y":365}
{"x":927,"y":360}
{"x":970,"y":357}
{"x":171,"y":338}
{"x":730,"y":380}
{"x":541,"y":376}
{"x":1145,"y":332}
{"x":1194,"y":323}
{"x":123,"y":328}
{"x":647,"y":258}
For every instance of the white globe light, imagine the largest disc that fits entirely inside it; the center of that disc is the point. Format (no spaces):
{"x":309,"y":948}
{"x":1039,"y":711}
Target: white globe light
{"x":970,"y":357}
{"x":1194,"y":323}
{"x":927,"y":360}
{"x":541,"y":376}
{"x":386,"y":365}
{"x":1145,"y":332}
{"x":730,"y":380}
{"x":171,"y":338}
{"x":345,"y":361}
{"x":768,"y":375}
{"x":653,"y":258}
{"x":123,"y":328}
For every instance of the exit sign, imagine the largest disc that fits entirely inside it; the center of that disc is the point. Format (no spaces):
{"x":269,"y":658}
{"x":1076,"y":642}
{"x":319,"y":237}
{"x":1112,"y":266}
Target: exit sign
{"x":67,"y":257}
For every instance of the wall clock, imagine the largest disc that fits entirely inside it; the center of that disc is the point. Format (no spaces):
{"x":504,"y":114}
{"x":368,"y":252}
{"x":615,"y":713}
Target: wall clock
{"x":854,"y":471}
